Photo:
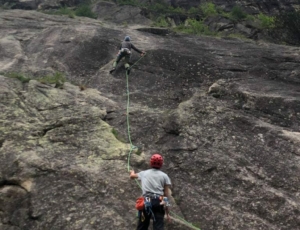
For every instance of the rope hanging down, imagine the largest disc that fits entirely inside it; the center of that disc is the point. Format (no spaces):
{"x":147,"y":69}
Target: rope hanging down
{"x":132,"y":147}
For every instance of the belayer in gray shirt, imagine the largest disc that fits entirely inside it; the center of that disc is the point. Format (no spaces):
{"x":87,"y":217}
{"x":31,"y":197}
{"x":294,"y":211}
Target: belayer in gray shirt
{"x":125,"y":51}
{"x":155,"y":187}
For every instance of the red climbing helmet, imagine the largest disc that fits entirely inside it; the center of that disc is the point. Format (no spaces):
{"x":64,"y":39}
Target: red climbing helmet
{"x":156,"y":161}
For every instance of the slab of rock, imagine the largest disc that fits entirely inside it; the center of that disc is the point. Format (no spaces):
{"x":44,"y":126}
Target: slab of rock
{"x":121,"y":15}
{"x":250,"y":6}
{"x":223,"y":112}
{"x":39,"y":4}
{"x":56,"y":147}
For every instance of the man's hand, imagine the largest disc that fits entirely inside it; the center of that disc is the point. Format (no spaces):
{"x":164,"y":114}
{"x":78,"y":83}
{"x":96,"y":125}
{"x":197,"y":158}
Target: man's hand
{"x":143,"y":53}
{"x":132,"y":174}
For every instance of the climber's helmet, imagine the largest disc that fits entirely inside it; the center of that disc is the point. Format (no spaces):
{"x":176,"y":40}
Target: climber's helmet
{"x":156,"y":161}
{"x":127,"y":39}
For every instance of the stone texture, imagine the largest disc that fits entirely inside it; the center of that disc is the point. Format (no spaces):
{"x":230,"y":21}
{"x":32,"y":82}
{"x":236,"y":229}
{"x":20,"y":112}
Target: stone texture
{"x":54,"y":146}
{"x":250,"y":6}
{"x":39,"y":4}
{"x":224,"y":113}
{"x":121,"y":15}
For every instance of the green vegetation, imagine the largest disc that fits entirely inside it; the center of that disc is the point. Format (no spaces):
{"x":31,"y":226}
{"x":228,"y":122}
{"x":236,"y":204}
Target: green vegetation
{"x":129,"y":2}
{"x":194,"y":27}
{"x":138,"y":152}
{"x":125,"y":24}
{"x":117,"y":135}
{"x":197,"y":225}
{"x":208,"y":9}
{"x":161,"y":22}
{"x":7,"y":6}
{"x":164,"y":9}
{"x":266,"y":22}
{"x":85,"y":10}
{"x":237,"y":14}
{"x":251,"y":17}
{"x":240,"y":36}
{"x":287,"y":27}
{"x":65,"y":11}
{"x":193,"y":10}
{"x":160,"y":8}
{"x":176,"y":10}
{"x":58,"y":79}
{"x":19,"y":76}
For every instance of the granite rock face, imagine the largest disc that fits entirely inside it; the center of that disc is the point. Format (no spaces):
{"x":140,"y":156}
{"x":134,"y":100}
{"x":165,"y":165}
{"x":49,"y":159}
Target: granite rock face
{"x":58,"y":158}
{"x":224,"y":113}
{"x":120,"y":15}
{"x":39,"y":4}
{"x":250,"y":6}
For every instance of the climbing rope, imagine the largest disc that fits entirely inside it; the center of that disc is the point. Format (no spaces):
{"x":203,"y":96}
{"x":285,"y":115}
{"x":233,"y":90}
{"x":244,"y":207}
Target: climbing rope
{"x":132,"y":147}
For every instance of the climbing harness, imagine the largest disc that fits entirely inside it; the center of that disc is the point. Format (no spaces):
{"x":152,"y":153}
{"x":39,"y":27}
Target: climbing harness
{"x":147,"y":203}
{"x":148,"y":207}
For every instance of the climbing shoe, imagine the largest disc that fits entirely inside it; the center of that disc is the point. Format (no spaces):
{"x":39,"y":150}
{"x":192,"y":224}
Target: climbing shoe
{"x":112,"y":70}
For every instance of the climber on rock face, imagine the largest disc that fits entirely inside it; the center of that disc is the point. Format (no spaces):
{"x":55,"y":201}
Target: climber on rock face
{"x":155,"y":187}
{"x":125,"y":51}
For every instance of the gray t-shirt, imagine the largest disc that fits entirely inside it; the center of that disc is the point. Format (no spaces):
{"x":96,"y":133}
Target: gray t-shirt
{"x":153,"y":181}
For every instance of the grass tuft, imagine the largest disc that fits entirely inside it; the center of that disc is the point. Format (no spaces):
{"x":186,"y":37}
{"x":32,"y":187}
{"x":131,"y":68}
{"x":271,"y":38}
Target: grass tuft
{"x":139,"y":151}
{"x":117,"y":135}
{"x":161,"y":22}
{"x":85,"y":10}
{"x":237,"y":14}
{"x":19,"y":76}
{"x":266,"y":22}
{"x":208,"y":9}
{"x":194,"y":27}
{"x":58,"y":79}
{"x":66,"y":11}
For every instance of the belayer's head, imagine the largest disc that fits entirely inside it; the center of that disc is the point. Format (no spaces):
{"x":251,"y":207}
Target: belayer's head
{"x":127,"y":39}
{"x":156,"y":161}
